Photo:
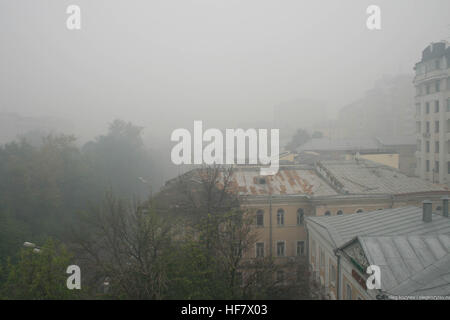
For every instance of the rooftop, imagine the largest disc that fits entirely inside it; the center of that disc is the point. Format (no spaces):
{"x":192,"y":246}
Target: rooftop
{"x":413,"y":255}
{"x":293,"y":180}
{"x":353,"y":144}
{"x":388,"y":222}
{"x":411,"y":265}
{"x":367,"y":177}
{"x":327,"y":179}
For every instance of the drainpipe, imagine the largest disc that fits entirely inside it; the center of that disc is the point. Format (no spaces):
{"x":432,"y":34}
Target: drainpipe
{"x":270,"y":223}
{"x":338,"y":276}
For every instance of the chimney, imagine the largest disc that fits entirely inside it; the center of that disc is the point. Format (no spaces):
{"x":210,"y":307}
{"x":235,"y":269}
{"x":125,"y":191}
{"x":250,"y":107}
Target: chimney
{"x":427,"y":211}
{"x":445,"y":206}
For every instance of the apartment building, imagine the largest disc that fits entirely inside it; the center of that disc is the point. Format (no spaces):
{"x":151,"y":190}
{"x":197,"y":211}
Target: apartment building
{"x":432,"y":101}
{"x":282,"y":202}
{"x":410,"y":245}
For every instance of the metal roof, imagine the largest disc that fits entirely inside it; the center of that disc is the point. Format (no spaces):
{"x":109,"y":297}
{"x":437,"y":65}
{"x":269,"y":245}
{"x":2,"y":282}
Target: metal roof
{"x":413,"y":255}
{"x":410,"y":140}
{"x":388,"y":222}
{"x":367,"y":177}
{"x":350,"y":144}
{"x":293,"y":181}
{"x":411,"y":265}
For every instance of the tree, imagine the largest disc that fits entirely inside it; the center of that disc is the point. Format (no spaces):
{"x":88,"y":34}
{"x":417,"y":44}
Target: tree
{"x":299,"y":139}
{"x":119,"y":159}
{"x":39,"y":275}
{"x":127,"y":244}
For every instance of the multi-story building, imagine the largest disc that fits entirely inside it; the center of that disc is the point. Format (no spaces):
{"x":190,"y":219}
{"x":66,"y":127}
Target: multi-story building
{"x":410,"y":247}
{"x":432,"y":82}
{"x":282,"y":202}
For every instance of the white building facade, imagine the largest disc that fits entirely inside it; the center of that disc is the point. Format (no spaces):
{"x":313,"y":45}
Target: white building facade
{"x":432,"y":102}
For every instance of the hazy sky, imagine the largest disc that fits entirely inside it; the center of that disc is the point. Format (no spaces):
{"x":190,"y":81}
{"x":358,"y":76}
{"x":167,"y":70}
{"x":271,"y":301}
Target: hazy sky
{"x":163,"y":63}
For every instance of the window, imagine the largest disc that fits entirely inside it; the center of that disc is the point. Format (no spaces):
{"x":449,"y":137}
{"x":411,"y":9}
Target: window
{"x":359,"y":211}
{"x":427,"y":107}
{"x":339,"y":213}
{"x":436,"y":147}
{"x":333,"y":274}
{"x":260,"y":249}
{"x":427,"y":88}
{"x":436,"y":106}
{"x":300,"y":248}
{"x":280,"y":248}
{"x":436,"y":166}
{"x":260,"y":218}
{"x":448,"y":105}
{"x":328,"y":213}
{"x":280,"y":217}
{"x":427,"y":146}
{"x":428,"y":127}
{"x":300,"y":217}
{"x":438,"y":85}
{"x":427,"y":164}
{"x":437,"y":64}
{"x":348,"y":292}
{"x":436,"y":126}
{"x":419,"y":144}
{"x":418,"y":127}
{"x":448,"y":167}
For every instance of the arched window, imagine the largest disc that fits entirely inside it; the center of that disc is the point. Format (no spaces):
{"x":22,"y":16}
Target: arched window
{"x":328,"y":213}
{"x":359,"y":210}
{"x":339,"y":213}
{"x":300,"y":217}
{"x":280,"y":217}
{"x":260,"y":218}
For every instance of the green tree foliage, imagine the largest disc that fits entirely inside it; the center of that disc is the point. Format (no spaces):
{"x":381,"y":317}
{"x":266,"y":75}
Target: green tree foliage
{"x":120,"y":159}
{"x":39,"y":275}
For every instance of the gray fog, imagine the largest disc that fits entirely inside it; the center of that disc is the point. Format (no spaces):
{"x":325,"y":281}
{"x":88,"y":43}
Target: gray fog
{"x":163,"y":64}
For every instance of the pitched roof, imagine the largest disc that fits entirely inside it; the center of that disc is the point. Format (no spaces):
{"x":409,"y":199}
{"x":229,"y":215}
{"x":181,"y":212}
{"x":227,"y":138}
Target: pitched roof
{"x":411,"y":265}
{"x":367,"y":177}
{"x":388,"y":222}
{"x":350,"y":144}
{"x":413,"y":255}
{"x":288,"y":181}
